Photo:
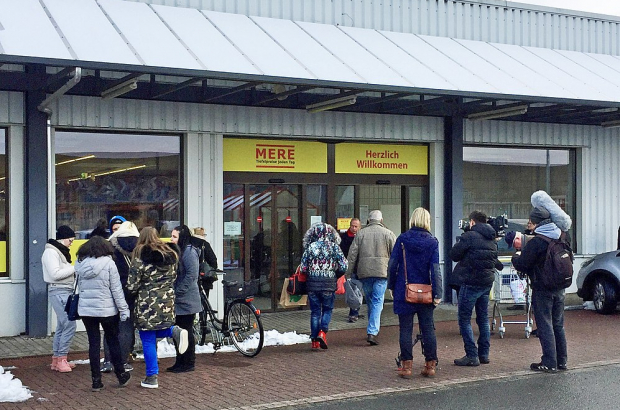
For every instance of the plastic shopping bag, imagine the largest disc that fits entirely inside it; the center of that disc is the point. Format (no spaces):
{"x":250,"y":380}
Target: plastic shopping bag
{"x":353,"y":293}
{"x":517,"y":289}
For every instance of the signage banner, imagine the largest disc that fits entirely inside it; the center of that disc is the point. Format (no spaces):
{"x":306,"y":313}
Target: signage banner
{"x":354,"y":158}
{"x":251,"y":155}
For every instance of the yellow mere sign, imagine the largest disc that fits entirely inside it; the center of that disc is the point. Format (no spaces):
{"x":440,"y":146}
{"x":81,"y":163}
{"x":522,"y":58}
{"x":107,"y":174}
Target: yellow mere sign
{"x":381,"y":159}
{"x":250,"y":155}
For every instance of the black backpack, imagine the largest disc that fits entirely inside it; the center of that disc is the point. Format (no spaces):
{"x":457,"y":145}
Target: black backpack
{"x":558,"y":269}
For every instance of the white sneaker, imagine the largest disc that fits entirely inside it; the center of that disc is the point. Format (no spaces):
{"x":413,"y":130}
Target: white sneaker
{"x":181,"y":337}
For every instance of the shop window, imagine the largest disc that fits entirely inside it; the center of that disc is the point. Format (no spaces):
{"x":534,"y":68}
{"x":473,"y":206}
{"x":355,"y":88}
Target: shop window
{"x":316,"y":204}
{"x":3,"y":204}
{"x":501,"y":181}
{"x":101,"y":175}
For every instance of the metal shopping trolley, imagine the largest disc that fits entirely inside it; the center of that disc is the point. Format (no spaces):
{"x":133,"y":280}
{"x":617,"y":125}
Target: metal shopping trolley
{"x":510,"y":288}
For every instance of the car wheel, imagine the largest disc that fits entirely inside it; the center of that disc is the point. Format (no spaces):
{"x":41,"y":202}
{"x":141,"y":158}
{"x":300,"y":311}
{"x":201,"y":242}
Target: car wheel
{"x":604,"y":297}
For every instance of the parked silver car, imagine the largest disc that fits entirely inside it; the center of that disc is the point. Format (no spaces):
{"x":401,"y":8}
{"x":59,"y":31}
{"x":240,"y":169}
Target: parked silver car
{"x":599,"y":281}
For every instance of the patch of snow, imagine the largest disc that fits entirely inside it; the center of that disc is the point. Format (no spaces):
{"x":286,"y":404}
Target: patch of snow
{"x":11,"y":388}
{"x":589,"y":305}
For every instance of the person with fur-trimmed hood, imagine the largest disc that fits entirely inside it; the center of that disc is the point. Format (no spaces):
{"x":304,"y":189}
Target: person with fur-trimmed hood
{"x":551,"y":223}
{"x":124,"y":241}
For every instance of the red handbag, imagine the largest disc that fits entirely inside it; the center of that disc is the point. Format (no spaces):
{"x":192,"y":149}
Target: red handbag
{"x":340,"y":285}
{"x":297,"y":283}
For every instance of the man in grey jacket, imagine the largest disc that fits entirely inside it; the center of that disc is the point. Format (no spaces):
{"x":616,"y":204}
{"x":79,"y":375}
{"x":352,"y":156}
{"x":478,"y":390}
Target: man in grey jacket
{"x":368,"y":256}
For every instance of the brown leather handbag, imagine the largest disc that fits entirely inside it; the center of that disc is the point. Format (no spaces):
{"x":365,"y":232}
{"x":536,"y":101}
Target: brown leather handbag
{"x":415,"y":292}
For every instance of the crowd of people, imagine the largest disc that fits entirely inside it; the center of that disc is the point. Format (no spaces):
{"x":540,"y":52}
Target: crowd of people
{"x":134,"y":280}
{"x":127,"y":280}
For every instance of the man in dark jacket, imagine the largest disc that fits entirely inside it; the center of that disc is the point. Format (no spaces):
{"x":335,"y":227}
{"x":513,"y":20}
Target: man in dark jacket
{"x":346,"y":239}
{"x":476,"y":250}
{"x":548,"y":304}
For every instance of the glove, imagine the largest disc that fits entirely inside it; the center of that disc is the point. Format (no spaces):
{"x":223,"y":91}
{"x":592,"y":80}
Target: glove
{"x":124,"y":315}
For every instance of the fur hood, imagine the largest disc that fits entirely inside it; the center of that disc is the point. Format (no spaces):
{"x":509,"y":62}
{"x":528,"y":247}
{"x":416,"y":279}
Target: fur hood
{"x":150,"y":257}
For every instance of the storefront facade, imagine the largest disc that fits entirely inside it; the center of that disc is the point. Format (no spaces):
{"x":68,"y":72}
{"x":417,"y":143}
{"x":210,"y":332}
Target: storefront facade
{"x":180,"y":160}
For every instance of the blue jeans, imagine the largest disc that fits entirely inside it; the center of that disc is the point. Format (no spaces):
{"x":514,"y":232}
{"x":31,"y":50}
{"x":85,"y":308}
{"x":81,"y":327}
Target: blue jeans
{"x":321,"y":307}
{"x":374,"y":289}
{"x":478,"y":297}
{"x":65,"y":328}
{"x":427,"y":328}
{"x":149,"y":348}
{"x":549,"y":312}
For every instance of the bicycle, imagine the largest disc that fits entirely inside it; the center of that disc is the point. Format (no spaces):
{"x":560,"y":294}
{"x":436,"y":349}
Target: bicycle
{"x":241,"y":323}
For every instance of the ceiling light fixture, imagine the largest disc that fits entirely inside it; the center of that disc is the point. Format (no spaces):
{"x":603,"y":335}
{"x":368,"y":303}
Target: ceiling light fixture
{"x":75,"y":160}
{"x":120,"y":89}
{"x":611,"y":124}
{"x":499,"y":113}
{"x":332,"y":104}
{"x":100,"y":174}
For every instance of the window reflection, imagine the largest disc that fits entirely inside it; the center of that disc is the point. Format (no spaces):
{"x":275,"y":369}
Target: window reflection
{"x":102,"y":175}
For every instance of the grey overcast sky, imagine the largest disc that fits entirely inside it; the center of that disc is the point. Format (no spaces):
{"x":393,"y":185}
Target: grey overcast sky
{"x":594,"y":6}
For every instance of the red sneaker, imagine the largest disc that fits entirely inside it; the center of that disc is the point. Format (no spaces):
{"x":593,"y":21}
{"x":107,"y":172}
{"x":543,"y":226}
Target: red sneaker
{"x":322,"y":339}
{"x":315,"y":345}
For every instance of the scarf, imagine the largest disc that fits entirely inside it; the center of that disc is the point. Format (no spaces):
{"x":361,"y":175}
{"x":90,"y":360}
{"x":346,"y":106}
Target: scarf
{"x":62,"y":248}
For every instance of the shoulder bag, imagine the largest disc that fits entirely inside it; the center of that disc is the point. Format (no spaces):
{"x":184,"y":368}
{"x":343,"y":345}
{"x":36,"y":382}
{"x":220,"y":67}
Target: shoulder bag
{"x":415,"y":292}
{"x":72,"y":304}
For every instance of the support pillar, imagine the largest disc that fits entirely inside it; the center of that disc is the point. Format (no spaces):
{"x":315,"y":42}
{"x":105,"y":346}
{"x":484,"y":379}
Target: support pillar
{"x":453,"y":194}
{"x":36,"y":153}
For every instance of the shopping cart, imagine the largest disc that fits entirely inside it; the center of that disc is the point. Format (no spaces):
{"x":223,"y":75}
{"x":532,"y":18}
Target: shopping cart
{"x":503,"y":294}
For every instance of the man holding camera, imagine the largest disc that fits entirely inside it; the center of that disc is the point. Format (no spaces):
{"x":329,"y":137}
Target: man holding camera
{"x":476,"y":250}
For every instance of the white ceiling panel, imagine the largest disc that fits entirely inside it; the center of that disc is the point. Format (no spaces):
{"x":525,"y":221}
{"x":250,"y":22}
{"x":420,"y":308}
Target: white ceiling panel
{"x":549,"y":71}
{"x":27,"y":31}
{"x":418,"y":74}
{"x":214,"y":50}
{"x":91,"y":36}
{"x":148,"y":35}
{"x":480,"y":67}
{"x":309,"y":53}
{"x":366,"y":65}
{"x":266,"y":54}
{"x":579,"y":73}
{"x":517,"y":70}
{"x":444,"y":66}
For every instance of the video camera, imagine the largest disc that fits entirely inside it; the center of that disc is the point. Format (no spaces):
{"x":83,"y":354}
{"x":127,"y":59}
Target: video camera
{"x":498,"y":223}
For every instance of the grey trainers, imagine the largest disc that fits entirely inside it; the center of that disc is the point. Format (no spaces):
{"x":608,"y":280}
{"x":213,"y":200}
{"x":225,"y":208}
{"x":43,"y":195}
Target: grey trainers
{"x":467,"y":361}
{"x":150,"y":382}
{"x":106,"y":367}
{"x":180,"y":336}
{"x":128,"y":367}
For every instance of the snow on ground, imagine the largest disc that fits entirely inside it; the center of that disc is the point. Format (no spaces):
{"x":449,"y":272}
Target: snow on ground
{"x":11,"y":388}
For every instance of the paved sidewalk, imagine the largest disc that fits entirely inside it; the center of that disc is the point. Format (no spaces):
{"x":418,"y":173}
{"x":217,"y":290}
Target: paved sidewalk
{"x":288,"y":376}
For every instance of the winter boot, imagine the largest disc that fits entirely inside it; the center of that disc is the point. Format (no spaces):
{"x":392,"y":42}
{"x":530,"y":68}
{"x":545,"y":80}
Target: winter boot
{"x":54,"y":365}
{"x":322,"y":339}
{"x":407,"y":370}
{"x":62,"y":365}
{"x":315,"y":345}
{"x":429,"y":368}
{"x":97,"y":385}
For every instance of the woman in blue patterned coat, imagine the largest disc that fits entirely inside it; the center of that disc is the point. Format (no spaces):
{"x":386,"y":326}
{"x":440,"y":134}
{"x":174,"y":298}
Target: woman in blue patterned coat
{"x":323,"y":262}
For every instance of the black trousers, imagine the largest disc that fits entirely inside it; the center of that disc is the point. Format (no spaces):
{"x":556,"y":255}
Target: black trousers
{"x":110,"y":331}
{"x":189,"y":357}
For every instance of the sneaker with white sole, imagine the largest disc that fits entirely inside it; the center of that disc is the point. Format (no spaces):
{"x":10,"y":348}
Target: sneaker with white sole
{"x":180,"y":336}
{"x":128,"y":367}
{"x":150,"y":382}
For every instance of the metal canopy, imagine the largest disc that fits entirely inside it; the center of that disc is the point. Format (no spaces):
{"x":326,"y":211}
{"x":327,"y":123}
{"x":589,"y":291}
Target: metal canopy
{"x":389,"y":72}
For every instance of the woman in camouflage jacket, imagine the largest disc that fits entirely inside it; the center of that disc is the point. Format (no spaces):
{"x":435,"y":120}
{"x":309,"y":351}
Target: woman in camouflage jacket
{"x":151,"y":280}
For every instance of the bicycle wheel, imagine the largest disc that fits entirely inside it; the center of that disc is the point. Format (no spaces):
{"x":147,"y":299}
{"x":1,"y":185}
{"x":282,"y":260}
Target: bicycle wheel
{"x":200,"y":328}
{"x":245,"y":327}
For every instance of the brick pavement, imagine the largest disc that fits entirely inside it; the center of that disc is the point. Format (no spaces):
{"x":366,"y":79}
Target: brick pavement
{"x":292,"y":375}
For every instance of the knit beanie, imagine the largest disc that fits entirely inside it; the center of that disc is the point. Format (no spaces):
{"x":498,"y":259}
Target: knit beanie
{"x":539,"y":214}
{"x":116,"y":220}
{"x":64,"y":232}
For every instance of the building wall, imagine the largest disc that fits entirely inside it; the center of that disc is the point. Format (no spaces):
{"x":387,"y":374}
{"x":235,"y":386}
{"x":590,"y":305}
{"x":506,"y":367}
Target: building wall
{"x":490,"y":20}
{"x":598,"y":167}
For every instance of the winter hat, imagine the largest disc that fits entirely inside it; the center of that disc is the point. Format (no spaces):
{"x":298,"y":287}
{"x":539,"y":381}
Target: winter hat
{"x":539,"y":214}
{"x":64,"y":232}
{"x":510,"y":237}
{"x":126,"y":229}
{"x":116,"y":220}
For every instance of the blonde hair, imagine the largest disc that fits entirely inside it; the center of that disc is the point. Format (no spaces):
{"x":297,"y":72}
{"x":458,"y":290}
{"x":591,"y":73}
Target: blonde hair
{"x":420,"y":218}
